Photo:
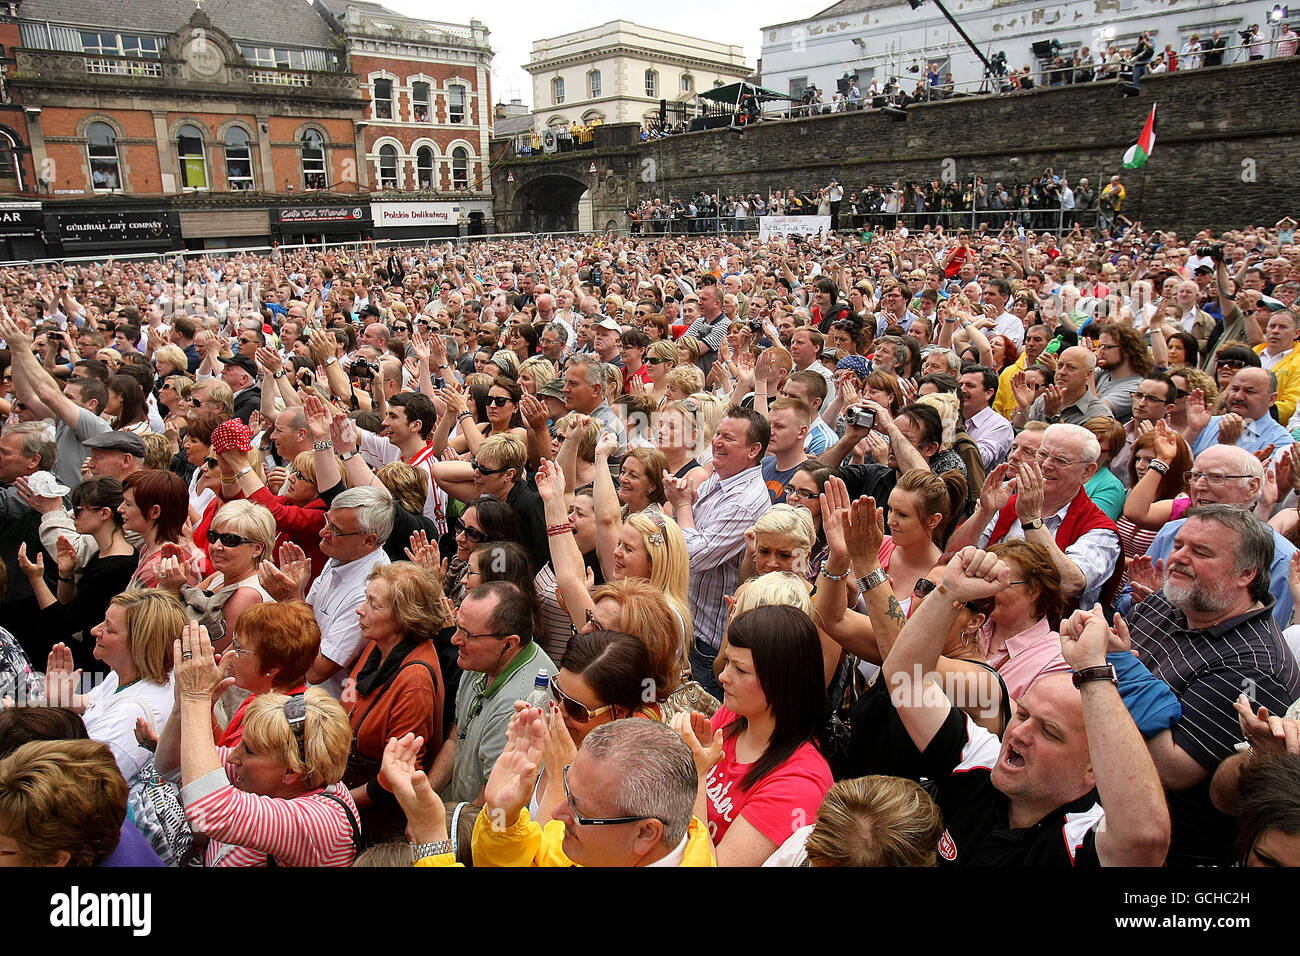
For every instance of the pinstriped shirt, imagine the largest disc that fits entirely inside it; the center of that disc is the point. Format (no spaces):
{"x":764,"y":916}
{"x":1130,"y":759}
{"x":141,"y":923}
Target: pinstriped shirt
{"x":1206,"y":669}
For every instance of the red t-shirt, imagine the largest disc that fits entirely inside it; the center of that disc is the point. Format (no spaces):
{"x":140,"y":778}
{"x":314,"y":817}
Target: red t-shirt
{"x":784,"y":800}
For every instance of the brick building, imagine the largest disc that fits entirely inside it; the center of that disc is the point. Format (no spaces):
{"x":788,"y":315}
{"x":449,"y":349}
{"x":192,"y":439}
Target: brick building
{"x":428,"y":116}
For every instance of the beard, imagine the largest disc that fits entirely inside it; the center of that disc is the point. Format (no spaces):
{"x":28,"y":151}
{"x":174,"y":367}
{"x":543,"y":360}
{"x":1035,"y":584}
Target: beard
{"x":1198,"y":597}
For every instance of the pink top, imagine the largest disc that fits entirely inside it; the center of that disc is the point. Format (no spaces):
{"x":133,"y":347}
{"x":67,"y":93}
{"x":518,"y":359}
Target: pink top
{"x":1027,"y":656}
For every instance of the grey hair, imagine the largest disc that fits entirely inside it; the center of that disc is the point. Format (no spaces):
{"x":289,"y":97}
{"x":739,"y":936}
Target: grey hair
{"x":1255,"y":546}
{"x":295,"y":417}
{"x":1089,"y":447}
{"x":949,"y":356}
{"x":593,"y":367}
{"x":374,"y":510}
{"x":37,"y":440}
{"x":655,"y":770}
{"x":560,"y":331}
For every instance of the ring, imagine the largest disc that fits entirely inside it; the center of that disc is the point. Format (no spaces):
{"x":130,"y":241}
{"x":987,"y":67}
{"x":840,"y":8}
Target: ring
{"x":186,"y":655}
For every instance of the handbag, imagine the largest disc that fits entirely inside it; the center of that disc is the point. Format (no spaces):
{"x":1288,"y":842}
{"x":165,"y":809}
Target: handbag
{"x":156,"y":810}
{"x":689,"y":696}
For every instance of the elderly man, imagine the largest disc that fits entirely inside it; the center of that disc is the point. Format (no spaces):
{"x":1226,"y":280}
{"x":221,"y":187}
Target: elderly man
{"x":714,"y":520}
{"x":1248,"y":397}
{"x":1070,"y":783}
{"x":1210,"y":634}
{"x":240,"y":373}
{"x":608,"y":339}
{"x":117,"y":454}
{"x":290,"y":435}
{"x":356,"y":527}
{"x":584,"y":392}
{"x":25,"y":448}
{"x":990,"y":431}
{"x":500,"y":661}
{"x":1051,"y":508}
{"x":1068,"y":400}
{"x":1278,"y":354}
{"x":1226,"y":475}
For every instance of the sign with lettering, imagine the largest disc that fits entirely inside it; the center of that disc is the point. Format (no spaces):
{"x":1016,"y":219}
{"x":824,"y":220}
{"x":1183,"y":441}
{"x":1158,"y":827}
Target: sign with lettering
{"x":313,"y":214}
{"x":24,"y":219}
{"x":122,"y":226}
{"x":415,"y":213}
{"x":771,"y":227}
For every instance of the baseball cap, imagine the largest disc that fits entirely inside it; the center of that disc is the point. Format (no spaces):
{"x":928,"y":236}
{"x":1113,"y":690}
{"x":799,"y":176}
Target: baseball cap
{"x":552,"y":389}
{"x":609,"y":324}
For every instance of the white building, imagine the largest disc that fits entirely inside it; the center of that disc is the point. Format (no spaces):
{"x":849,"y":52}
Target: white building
{"x":619,"y":71}
{"x":883,"y":38}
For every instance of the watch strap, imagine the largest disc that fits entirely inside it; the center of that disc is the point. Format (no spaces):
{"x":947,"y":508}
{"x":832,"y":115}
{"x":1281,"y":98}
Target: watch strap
{"x":1032,"y":525}
{"x":874,"y":579}
{"x":1100,"y":672}
{"x":420,"y":850}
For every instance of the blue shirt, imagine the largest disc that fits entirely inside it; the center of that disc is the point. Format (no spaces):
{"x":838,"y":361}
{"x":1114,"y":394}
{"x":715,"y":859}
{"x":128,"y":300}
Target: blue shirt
{"x":820,"y":437}
{"x":1107,"y":493}
{"x":1255,"y":435}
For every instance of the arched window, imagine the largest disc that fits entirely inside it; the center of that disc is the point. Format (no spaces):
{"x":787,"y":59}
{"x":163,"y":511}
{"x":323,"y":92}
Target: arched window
{"x":593,"y":84}
{"x":424,"y":167}
{"x":313,"y":160}
{"x":383,"y":99}
{"x":557,"y":90}
{"x":194,"y":166}
{"x":105,"y":171}
{"x":387,"y":167}
{"x":10,"y":165}
{"x":456,"y":104}
{"x":420,"y":100}
{"x":239,"y":160}
{"x":651,"y":83}
{"x":459,"y":168}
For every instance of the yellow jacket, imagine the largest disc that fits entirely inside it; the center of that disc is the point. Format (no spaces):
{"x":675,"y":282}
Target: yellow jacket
{"x":527,"y":844}
{"x":1004,"y":402}
{"x":1288,"y":383}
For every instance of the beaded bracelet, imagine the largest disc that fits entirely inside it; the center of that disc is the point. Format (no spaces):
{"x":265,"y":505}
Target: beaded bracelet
{"x":836,"y":577}
{"x":1158,"y":466}
{"x":558,"y":529}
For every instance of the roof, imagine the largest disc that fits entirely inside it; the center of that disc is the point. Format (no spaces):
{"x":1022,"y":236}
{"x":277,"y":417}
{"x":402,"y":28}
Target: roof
{"x":842,"y":9}
{"x":509,"y":125}
{"x":732,"y":93}
{"x":294,"y":22}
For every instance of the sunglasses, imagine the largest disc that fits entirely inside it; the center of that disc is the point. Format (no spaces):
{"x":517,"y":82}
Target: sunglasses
{"x":498,"y":401}
{"x":479,"y":469}
{"x":211,"y":462}
{"x":580,"y":713}
{"x":473,"y":534}
{"x":593,"y":821}
{"x":227,"y":539}
{"x":924,"y":586}
{"x":658,"y":361}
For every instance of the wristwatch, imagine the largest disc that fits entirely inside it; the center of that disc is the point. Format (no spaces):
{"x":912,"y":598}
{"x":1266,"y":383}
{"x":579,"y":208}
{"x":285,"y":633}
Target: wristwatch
{"x":1033,"y":525}
{"x":332,"y":360}
{"x":1100,"y":672}
{"x":420,"y":850}
{"x":874,"y":579}
{"x":349,"y":454}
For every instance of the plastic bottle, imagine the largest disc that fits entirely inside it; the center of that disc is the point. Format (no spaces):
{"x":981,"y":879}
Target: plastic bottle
{"x":1054,"y":346}
{"x":540,"y":695}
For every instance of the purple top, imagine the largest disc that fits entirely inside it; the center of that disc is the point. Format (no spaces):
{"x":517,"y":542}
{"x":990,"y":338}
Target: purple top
{"x":132,"y":849}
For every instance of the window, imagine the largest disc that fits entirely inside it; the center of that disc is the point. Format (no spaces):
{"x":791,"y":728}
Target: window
{"x":456,"y":103}
{"x":99,"y":43}
{"x":420,"y":101}
{"x":194,"y":166}
{"x":10,"y":165}
{"x":797,"y":85}
{"x":142,"y":46}
{"x":688,"y":83}
{"x":115,"y":44}
{"x":424,"y":167}
{"x":387,"y":167}
{"x":459,"y":168}
{"x":651,"y":83}
{"x":557,"y":90}
{"x":313,"y":160}
{"x":383,"y":99}
{"x":239,"y":160}
{"x":258,"y":55}
{"x":101,"y":145}
{"x":593,"y":84}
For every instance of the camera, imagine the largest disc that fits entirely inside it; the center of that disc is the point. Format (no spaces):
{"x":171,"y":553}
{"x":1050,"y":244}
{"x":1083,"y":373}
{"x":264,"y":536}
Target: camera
{"x":1214,"y":252}
{"x":361,"y":368}
{"x":756,"y":326}
{"x":861,"y":417}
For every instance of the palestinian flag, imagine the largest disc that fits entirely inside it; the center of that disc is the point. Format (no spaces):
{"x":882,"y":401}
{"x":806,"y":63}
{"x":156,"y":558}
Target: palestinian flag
{"x":1139,"y":152}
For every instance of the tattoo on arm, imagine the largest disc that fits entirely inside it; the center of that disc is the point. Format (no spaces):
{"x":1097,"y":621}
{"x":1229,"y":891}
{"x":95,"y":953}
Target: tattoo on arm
{"x":896,"y":611}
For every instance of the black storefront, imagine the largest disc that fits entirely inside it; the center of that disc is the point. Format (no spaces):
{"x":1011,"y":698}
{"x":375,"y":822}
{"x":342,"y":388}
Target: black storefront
{"x":22,"y":227}
{"x":72,"y":233}
{"x":314,"y":225}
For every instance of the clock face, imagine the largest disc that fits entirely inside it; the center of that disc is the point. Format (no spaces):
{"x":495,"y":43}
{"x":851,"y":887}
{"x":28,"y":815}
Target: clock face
{"x":204,"y":57}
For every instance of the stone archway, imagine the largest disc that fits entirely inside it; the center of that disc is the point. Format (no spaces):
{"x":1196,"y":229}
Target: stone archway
{"x":548,"y":204}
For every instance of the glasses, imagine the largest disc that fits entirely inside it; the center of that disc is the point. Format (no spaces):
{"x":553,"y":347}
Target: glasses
{"x":196,"y":402}
{"x":235,"y":648}
{"x":334,"y":531}
{"x":227,"y":539}
{"x":401,"y":328}
{"x":1230,"y":363}
{"x":658,"y":361}
{"x":472,"y":637}
{"x":1141,"y":396}
{"x":1213,"y":479}
{"x":924,"y":586}
{"x":802,"y":494}
{"x":593,"y":821}
{"x":211,"y":462}
{"x":499,"y":401}
{"x":1057,"y":460}
{"x":473,"y":534}
{"x":480,"y":470}
{"x":579,"y":711}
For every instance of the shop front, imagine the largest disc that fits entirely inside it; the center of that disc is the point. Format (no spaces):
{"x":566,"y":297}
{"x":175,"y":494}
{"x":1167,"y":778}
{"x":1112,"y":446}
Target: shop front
{"x":226,"y":228}
{"x":22,"y":227}
{"x":320,"y":225}
{"x":121,"y":231}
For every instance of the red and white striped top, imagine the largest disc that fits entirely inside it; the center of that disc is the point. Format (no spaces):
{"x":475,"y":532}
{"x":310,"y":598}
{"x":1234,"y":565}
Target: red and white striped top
{"x":308,"y":830}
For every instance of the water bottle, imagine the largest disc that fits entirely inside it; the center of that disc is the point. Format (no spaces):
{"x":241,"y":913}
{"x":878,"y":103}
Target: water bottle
{"x":1054,"y":346}
{"x":540,"y":695}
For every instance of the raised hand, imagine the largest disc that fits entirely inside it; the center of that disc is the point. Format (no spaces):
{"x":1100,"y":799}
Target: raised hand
{"x":558,"y":748}
{"x":1266,"y":733}
{"x":835,"y":511}
{"x":344,"y":432}
{"x":33,"y":500}
{"x":1231,"y":425}
{"x":975,"y":574}
{"x":454,"y":398}
{"x":1053,"y":396}
{"x":514,"y":776}
{"x":550,"y":480}
{"x":1029,"y":499}
{"x":318,"y":417}
{"x":268,"y":360}
{"x":1022,"y":390}
{"x":145,"y":734}
{"x":173,"y":574}
{"x":34,"y":570}
{"x":997,"y":490}
{"x":679,"y":491}
{"x":1084,"y":638}
{"x":65,"y":556}
{"x":865,"y":531}
{"x":425,"y":553}
{"x":606,"y":446}
{"x":1198,"y":416}
{"x":1146,"y":577}
{"x":693,"y":727}
{"x":198,"y":675}
{"x":426,"y":815}
{"x":533,"y":409}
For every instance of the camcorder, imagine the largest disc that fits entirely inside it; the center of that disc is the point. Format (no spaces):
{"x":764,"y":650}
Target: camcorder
{"x":861,"y":417}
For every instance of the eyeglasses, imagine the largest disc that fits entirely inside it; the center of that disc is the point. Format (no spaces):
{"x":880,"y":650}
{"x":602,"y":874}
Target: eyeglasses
{"x":1141,"y":396}
{"x":579,"y":711}
{"x":593,"y":821}
{"x":479,"y":469}
{"x":334,"y":531}
{"x":499,"y":401}
{"x":227,"y":539}
{"x":1213,"y":479}
{"x":473,"y":534}
{"x":802,"y":494}
{"x":234,"y":646}
{"x":1056,"y":460}
{"x":472,"y":637}
{"x":924,"y":586}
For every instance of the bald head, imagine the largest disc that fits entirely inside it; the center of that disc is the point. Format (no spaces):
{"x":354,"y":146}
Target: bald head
{"x":1251,"y":393}
{"x":1220,"y":461}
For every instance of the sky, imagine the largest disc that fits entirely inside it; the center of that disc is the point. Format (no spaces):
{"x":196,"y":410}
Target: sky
{"x":515,"y":24}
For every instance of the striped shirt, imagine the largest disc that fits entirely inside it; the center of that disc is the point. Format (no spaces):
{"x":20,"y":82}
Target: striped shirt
{"x":1207,"y":669}
{"x":308,"y":830}
{"x":724,"y":509}
{"x":379,"y":451}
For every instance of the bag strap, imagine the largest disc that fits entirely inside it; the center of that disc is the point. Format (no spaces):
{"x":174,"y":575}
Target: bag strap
{"x":389,"y":683}
{"x":352,"y":822}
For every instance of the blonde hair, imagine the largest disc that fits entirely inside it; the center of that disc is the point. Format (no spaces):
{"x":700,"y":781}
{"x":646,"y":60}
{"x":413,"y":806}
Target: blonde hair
{"x":641,"y":614}
{"x":248,"y":520}
{"x":507,"y":361}
{"x":664,"y":349}
{"x":669,"y":559}
{"x":408,"y":485}
{"x":590,"y":438}
{"x":876,"y":821}
{"x":947,"y":405}
{"x":219,"y":392}
{"x":326,"y":737}
{"x":688,"y":378}
{"x":158,"y":451}
{"x":154,"y":619}
{"x":416,"y":597}
{"x":711,"y":411}
{"x":505,"y":450}
{"x":540,"y":369}
{"x":781,"y":588}
{"x":789,"y":521}
{"x":174,"y":355}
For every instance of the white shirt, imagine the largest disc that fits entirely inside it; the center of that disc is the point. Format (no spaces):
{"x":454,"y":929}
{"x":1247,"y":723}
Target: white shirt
{"x":111,"y":712}
{"x":1268,"y":360}
{"x":1010,"y":326}
{"x":335,"y":596}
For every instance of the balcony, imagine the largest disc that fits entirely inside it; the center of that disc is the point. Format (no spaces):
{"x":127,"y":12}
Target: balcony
{"x":123,"y":66}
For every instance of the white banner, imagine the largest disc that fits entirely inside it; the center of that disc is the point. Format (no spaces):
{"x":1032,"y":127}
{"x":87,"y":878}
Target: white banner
{"x":770,"y":227}
{"x":415,"y":213}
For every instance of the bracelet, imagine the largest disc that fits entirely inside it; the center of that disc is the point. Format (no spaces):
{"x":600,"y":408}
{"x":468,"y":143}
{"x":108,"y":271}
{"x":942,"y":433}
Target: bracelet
{"x":243,"y":471}
{"x":323,"y":445}
{"x":227,"y":478}
{"x":68,"y":580}
{"x":836,"y":577}
{"x":1158,"y":466}
{"x":464,"y":414}
{"x":559,"y":529}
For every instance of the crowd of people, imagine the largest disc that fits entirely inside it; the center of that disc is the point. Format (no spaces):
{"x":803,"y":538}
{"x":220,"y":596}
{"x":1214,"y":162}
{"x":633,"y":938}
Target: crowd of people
{"x":921,"y":548}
